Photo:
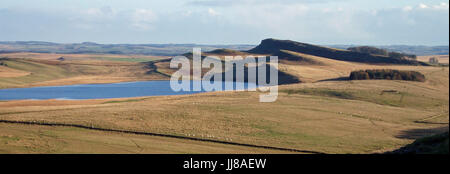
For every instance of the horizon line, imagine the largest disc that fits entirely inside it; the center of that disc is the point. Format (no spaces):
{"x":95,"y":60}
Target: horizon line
{"x":93,"y":42}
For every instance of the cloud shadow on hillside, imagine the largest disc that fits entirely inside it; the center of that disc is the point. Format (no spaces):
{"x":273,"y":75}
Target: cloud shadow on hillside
{"x":419,"y":133}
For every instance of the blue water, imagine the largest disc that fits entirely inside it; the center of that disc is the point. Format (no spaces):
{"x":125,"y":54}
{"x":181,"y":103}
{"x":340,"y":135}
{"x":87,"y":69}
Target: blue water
{"x":96,"y":91}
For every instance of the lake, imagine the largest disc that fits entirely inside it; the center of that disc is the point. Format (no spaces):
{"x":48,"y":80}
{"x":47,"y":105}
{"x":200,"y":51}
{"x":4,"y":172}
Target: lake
{"x":97,"y":91}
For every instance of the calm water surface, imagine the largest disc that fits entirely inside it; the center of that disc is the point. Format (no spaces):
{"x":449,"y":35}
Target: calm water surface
{"x":96,"y":91}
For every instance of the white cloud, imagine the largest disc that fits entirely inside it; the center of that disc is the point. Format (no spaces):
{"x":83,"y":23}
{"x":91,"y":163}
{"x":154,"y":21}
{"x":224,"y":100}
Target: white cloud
{"x":93,"y":12}
{"x":441,"y":6}
{"x":143,"y":19}
{"x":244,"y":22}
{"x":212,"y":12}
{"x":407,"y":8}
{"x":423,"y":6}
{"x":104,"y":12}
{"x":326,"y":10}
{"x":92,"y":18}
{"x":187,"y":13}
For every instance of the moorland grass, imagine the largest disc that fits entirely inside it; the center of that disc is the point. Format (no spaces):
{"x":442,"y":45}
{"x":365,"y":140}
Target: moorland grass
{"x":325,"y":116}
{"x":124,"y":101}
{"x":435,"y":144}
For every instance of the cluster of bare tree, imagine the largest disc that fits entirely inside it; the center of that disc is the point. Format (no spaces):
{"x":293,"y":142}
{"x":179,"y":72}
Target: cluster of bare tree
{"x":387,"y":74}
{"x":381,"y":52}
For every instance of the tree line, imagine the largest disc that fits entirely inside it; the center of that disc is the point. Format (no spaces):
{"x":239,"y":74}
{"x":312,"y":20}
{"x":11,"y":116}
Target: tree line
{"x":381,"y":52}
{"x":387,"y":74}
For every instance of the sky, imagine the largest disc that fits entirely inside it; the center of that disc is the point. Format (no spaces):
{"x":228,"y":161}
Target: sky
{"x":326,"y":22}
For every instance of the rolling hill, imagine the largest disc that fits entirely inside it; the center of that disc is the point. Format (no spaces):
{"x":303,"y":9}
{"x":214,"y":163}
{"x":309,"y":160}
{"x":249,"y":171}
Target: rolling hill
{"x":321,"y":114}
{"x":273,"y":47}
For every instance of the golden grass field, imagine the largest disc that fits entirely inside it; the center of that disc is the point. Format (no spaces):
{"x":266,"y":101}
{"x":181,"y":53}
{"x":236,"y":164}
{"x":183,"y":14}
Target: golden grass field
{"x":323,"y":114}
{"x":441,"y":58}
{"x":34,"y":69}
{"x":44,"y":139}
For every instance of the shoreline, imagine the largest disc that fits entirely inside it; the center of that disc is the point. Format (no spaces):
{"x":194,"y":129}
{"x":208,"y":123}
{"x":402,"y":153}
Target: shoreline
{"x":120,"y":98}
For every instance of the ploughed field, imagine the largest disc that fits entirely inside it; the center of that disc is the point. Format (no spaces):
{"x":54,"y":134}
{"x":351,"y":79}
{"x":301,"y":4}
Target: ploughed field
{"x":325,"y":113}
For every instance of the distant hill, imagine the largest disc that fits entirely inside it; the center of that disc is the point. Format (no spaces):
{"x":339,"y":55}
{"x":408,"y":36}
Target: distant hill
{"x":224,"y":51}
{"x":381,"y":52}
{"x":175,"y":49}
{"x":418,"y":50}
{"x":95,"y":48}
{"x":369,"y":50}
{"x":219,"y":53}
{"x":273,"y":46}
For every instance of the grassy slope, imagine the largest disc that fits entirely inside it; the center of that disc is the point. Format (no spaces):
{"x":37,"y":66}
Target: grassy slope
{"x":38,"y":72}
{"x":270,"y":46}
{"x":42,"y":139}
{"x":328,"y":69}
{"x":443,"y":59}
{"x":326,"y":116}
{"x":436,"y":144}
{"x":45,"y":72}
{"x":320,"y":121}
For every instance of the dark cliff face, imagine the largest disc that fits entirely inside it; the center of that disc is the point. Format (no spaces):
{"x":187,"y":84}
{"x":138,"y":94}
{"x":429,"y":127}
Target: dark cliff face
{"x":269,"y":46}
{"x":272,"y":46}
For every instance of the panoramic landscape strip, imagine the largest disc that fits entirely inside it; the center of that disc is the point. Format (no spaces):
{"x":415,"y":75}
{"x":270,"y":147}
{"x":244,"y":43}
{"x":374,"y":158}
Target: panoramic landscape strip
{"x":328,"y":100}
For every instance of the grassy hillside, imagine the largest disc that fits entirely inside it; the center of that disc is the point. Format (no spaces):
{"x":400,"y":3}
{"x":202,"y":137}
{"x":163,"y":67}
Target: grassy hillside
{"x":226,"y":52}
{"x":419,"y":50}
{"x":442,"y":59}
{"x":290,"y":57}
{"x":436,"y":144}
{"x":310,"y":63}
{"x":25,"y":72}
{"x":283,"y":77}
{"x":44,"y":139}
{"x":323,"y":114}
{"x":271,"y":46}
{"x":326,"y":116}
